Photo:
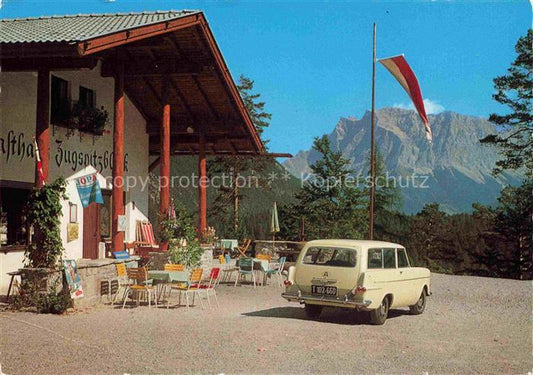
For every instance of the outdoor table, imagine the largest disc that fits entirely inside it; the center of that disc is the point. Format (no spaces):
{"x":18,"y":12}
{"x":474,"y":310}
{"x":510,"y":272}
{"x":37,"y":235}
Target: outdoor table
{"x":228,"y":244}
{"x":161,"y":278}
{"x":263,"y":266}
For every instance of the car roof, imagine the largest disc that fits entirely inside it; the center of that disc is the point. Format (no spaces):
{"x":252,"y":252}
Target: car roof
{"x":353,"y":243}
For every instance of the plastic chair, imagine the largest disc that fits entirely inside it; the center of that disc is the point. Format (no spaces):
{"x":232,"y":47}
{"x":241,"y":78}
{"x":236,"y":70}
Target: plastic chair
{"x":246,"y":267}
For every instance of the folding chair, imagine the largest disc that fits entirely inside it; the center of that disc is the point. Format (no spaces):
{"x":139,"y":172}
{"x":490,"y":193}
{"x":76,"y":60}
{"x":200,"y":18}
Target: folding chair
{"x":144,"y":239}
{"x":243,"y":249}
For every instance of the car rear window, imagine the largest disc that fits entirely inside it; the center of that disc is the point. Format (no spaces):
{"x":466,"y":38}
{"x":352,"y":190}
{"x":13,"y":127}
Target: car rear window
{"x":402,"y":258}
{"x":331,"y":256}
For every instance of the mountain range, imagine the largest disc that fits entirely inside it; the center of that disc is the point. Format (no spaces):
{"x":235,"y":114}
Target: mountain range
{"x":454,"y":169}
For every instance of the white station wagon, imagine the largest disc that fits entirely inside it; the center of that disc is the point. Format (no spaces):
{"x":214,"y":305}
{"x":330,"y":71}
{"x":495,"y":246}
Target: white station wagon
{"x":362,"y":275}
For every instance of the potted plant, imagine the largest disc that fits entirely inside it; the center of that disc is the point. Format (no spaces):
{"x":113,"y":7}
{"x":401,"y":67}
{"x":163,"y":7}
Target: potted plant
{"x":90,"y":119}
{"x":180,"y":233}
{"x":188,"y":253}
{"x":208,"y":236}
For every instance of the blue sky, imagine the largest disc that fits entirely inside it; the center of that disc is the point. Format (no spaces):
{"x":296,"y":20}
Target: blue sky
{"x":311,"y":61}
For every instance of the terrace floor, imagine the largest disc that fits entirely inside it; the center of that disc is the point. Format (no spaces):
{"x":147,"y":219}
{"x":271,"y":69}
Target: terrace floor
{"x":470,"y":325}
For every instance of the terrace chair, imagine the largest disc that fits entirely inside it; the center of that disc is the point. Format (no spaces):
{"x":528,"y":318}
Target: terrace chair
{"x":211,"y":285}
{"x":244,"y":248}
{"x":145,"y":241}
{"x":141,"y":286}
{"x":227,"y":268}
{"x":172,"y":267}
{"x":278,"y":271}
{"x":193,"y":286}
{"x":121,"y":282}
{"x":246,"y":267}
{"x":264,"y":257}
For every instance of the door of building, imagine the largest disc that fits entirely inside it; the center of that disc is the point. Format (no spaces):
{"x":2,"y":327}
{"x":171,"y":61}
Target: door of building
{"x":91,"y":231}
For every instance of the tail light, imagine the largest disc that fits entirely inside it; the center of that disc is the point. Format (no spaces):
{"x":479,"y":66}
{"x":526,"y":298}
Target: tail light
{"x":359,"y":289}
{"x":287,"y":283}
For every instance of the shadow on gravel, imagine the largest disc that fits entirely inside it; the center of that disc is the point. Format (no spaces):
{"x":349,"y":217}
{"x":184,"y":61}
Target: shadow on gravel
{"x":336,"y":316}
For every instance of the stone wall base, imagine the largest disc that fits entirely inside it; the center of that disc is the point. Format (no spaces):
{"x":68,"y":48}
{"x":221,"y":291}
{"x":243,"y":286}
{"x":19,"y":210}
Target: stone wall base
{"x":92,"y":272}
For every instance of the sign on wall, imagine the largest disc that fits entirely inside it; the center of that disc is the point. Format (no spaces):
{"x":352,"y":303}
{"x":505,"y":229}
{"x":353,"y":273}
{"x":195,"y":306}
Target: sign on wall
{"x":17,"y":147}
{"x":72,"y":231}
{"x":89,"y":189}
{"x":122,"y":223}
{"x":73,"y":279}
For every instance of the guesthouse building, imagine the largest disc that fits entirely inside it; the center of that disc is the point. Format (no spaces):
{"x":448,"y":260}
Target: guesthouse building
{"x":111,"y":95}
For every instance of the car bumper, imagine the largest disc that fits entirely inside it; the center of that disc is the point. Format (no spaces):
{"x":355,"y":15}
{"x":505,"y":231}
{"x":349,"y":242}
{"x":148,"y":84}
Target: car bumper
{"x":336,"y":302}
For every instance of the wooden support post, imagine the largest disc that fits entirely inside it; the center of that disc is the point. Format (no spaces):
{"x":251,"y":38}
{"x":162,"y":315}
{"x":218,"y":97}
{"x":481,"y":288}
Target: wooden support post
{"x":235,"y":193}
{"x":164,"y":174}
{"x":42,"y":129}
{"x":202,"y":186}
{"x":118,"y":157}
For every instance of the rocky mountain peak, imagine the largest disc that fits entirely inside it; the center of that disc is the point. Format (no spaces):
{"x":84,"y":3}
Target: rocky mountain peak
{"x":458,"y":167}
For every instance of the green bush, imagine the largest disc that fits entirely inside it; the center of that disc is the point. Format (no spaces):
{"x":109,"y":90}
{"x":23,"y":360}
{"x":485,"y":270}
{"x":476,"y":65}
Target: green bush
{"x":52,"y":303}
{"x":181,"y":235}
{"x":44,"y":212}
{"x":189,"y":255}
{"x":33,"y":296}
{"x":180,"y":227}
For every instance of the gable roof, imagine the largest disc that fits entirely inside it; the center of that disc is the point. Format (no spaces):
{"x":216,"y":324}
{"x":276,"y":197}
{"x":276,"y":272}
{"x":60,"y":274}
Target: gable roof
{"x":172,"y":49}
{"x":81,"y":27}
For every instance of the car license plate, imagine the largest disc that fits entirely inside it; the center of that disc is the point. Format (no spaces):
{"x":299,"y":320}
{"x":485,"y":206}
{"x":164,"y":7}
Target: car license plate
{"x":324,"y":290}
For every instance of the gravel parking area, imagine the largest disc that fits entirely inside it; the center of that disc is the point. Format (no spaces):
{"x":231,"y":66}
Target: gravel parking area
{"x":471,"y":325}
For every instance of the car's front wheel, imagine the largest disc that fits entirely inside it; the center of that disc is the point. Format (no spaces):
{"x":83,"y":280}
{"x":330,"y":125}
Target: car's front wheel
{"x":379,"y":315}
{"x":313,"y":311}
{"x":420,"y":305}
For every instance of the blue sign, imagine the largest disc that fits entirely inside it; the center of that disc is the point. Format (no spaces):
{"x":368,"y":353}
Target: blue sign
{"x":89,"y":190}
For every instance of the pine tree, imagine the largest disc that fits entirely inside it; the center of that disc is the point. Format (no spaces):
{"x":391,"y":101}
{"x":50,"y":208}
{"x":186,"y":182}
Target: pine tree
{"x":515,"y":90}
{"x":227,"y":203}
{"x":430,"y":236}
{"x":387,"y":198}
{"x":330,"y":201}
{"x":255,"y":108}
{"x":513,"y":221}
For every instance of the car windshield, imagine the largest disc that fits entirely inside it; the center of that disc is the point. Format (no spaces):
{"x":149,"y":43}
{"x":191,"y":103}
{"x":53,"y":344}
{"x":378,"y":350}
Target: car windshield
{"x":331,"y":256}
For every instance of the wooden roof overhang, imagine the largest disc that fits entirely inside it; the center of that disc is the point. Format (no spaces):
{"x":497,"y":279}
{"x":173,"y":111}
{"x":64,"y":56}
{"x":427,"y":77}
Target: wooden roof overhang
{"x":181,"y":53}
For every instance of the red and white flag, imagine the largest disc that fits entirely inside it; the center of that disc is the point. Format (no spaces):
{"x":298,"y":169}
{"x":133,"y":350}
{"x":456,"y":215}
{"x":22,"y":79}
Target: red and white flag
{"x":40,"y":173}
{"x":403,"y":73}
